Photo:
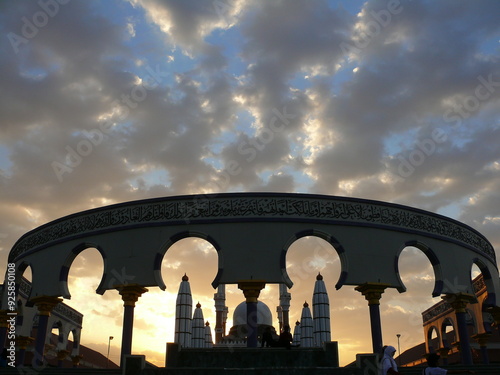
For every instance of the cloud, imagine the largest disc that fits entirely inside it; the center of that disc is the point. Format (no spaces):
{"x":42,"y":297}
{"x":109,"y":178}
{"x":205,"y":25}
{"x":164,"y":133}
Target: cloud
{"x":114,"y":101}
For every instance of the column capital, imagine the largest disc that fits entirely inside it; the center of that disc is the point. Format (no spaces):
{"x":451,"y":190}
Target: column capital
{"x":372,"y":291}
{"x":482,"y":338}
{"x":459,"y":301}
{"x":76,"y":359}
{"x":495,"y":313}
{"x":131,"y":293}
{"x":62,"y":354}
{"x":443,"y":352}
{"x":251,"y":289}
{"x":45,"y":304}
{"x":24,"y":341}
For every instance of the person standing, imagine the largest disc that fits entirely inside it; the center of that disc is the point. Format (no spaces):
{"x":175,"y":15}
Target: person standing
{"x":388,"y":364}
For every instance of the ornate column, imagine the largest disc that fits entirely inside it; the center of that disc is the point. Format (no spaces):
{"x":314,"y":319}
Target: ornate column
{"x":130,"y":294}
{"x":45,"y":305}
{"x":22,"y":342}
{"x":251,"y":290}
{"x":76,"y":359}
{"x":482,"y":339}
{"x":4,"y":324}
{"x":459,"y":302}
{"x":443,"y":353}
{"x":61,"y":356}
{"x":373,"y":293}
{"x":495,"y":313}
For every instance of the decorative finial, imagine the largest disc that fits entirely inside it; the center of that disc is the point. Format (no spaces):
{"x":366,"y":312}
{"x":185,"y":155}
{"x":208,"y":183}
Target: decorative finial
{"x":306,"y":304}
{"x":185,"y":278}
{"x":198,"y":305}
{"x":319,"y":277}
{"x":207,"y":323}
{"x":297,"y":323}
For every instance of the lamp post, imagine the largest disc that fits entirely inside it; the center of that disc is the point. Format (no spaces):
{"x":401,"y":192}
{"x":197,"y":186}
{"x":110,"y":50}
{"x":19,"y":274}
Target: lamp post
{"x":399,"y":350}
{"x":109,"y":344}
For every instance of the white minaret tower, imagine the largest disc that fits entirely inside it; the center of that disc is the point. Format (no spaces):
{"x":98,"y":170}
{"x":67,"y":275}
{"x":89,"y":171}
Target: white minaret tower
{"x":198,"y":336}
{"x":321,"y":313}
{"x":296,"y":333}
{"x":220,"y":313}
{"x":306,"y":328}
{"x":183,"y":311}
{"x":208,"y":336}
{"x":285,"y":298}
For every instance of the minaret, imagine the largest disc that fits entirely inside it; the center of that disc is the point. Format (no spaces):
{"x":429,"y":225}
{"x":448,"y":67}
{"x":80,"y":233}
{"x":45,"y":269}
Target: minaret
{"x":321,"y":313}
{"x":285,"y":298}
{"x":220,"y":313}
{"x":198,"y":337}
{"x":306,"y":327}
{"x":183,"y":311}
{"x":208,"y":336}
{"x":296,"y":333}
{"x":279,"y":314}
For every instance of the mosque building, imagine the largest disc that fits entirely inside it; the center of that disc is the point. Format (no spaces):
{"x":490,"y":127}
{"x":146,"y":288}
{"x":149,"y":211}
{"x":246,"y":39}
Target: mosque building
{"x":192,"y":332}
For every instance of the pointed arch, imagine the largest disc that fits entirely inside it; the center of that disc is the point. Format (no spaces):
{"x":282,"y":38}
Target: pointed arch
{"x":488,"y":281}
{"x":448,"y":332}
{"x":21,"y":280}
{"x":433,"y":343}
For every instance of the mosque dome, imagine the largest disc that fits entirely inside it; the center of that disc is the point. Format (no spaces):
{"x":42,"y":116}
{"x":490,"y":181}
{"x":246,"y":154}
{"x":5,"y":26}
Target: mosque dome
{"x":264,"y":316}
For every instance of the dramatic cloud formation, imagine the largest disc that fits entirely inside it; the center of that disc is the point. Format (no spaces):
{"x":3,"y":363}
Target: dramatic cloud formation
{"x":111,"y":101}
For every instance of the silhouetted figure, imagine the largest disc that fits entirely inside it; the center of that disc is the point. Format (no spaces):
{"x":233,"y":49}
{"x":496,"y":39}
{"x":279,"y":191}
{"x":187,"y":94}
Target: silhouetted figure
{"x":387,"y":364}
{"x":286,"y":338}
{"x":267,"y":339}
{"x":433,"y":369}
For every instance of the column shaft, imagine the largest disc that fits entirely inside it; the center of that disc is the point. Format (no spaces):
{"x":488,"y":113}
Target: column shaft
{"x":376,"y":328}
{"x":459,"y":302}
{"x":128,"y":327}
{"x":463,"y":335}
{"x":45,"y":305}
{"x":251,"y":290}
{"x":252,"y":324}
{"x":373,"y":293}
{"x":130,"y":294}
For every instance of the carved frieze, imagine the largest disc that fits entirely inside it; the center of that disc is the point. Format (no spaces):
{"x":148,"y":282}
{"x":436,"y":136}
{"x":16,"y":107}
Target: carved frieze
{"x":185,"y":210}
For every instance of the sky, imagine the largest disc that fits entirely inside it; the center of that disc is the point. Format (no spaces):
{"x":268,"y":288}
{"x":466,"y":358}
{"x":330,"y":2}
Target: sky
{"x":110,"y":101}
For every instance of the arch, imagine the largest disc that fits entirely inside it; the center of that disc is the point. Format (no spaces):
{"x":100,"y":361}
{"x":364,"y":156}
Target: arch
{"x":65,"y":268}
{"x":436,"y":265}
{"x":324,"y":236}
{"x":59,"y":340}
{"x":488,"y":281}
{"x":21,"y":270}
{"x":433,"y":343}
{"x":178,"y":237}
{"x":75,"y":349}
{"x":448,"y":335}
